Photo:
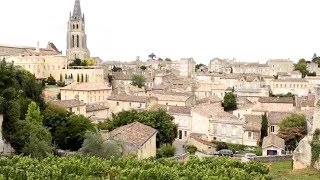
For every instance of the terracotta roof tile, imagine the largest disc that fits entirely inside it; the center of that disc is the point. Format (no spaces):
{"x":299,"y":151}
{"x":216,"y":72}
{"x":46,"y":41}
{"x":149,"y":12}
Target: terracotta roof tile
{"x":273,"y":139}
{"x":213,"y":111}
{"x":253,"y":122}
{"x":89,"y":86}
{"x":95,"y":107}
{"x":68,"y":103}
{"x":287,"y":100}
{"x":130,"y":98}
{"x":275,"y":118}
{"x":134,"y":134}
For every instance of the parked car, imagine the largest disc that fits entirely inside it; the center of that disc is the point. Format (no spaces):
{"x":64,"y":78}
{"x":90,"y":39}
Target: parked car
{"x":224,"y":152}
{"x":250,"y":155}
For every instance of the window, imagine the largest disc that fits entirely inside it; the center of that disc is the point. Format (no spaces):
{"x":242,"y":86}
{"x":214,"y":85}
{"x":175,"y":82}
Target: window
{"x":140,"y":105}
{"x":78,"y":109}
{"x":223,"y":130}
{"x":234,"y":131}
{"x":185,"y":133}
{"x":249,"y":135}
{"x":272,"y":128}
{"x":130,"y":104}
{"x":117,"y":103}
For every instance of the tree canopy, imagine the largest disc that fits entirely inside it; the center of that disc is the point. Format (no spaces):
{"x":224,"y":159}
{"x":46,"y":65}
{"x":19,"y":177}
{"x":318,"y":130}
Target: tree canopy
{"x":138,"y":80}
{"x":293,"y":129}
{"x":230,"y":101}
{"x":18,"y":88}
{"x":302,"y":67}
{"x":157,"y":119}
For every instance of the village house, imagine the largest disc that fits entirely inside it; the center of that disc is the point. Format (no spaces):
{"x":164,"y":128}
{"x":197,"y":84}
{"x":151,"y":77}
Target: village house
{"x":220,"y":90}
{"x":313,"y":82}
{"x":313,"y":67}
{"x":251,"y":85}
{"x":280,"y":65}
{"x":89,"y":93}
{"x":203,"y":76}
{"x":273,"y":145}
{"x":204,"y":90}
{"x":182,"y":118}
{"x":119,"y":78}
{"x":299,"y":87}
{"x":274,"y":120}
{"x":212,"y":121}
{"x":252,"y":130}
{"x":124,"y":102}
{"x":174,"y":98}
{"x":220,"y":65}
{"x":269,"y":104}
{"x":202,"y":143}
{"x":97,"y":112}
{"x":246,"y":67}
{"x":139,"y":139}
{"x":72,"y":105}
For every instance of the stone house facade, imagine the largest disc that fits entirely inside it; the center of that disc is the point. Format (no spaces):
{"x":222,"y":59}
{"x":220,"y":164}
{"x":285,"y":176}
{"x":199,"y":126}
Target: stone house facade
{"x":138,"y":138}
{"x":299,"y":87}
{"x":89,"y":93}
{"x":124,"y":102}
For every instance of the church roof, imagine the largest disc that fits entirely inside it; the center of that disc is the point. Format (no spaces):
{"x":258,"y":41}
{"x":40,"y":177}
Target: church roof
{"x":77,"y":10}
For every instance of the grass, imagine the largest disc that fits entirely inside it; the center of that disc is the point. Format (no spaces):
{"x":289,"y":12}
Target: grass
{"x":283,"y":171}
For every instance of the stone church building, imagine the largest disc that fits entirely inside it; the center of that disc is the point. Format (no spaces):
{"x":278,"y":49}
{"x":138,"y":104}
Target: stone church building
{"x":49,"y":61}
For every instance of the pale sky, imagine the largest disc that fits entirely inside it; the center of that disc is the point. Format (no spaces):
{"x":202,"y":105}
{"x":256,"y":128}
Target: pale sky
{"x":248,"y":30}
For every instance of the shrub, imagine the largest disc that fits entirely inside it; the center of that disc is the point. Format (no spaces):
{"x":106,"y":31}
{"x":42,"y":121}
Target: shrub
{"x":166,"y":151}
{"x":61,"y":83}
{"x":220,"y":145}
{"x":51,"y":80}
{"x":191,"y":149}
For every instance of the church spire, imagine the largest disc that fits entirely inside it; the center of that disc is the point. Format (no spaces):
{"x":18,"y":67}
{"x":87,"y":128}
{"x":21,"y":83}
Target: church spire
{"x":77,"y":10}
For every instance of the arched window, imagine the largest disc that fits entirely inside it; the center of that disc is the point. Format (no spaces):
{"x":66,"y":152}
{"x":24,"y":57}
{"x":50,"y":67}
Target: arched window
{"x":77,"y":26}
{"x":72,"y":43}
{"x":73,"y":26}
{"x":77,"y":40}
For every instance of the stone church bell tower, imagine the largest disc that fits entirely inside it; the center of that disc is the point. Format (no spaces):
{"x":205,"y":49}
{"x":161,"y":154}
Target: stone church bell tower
{"x":76,"y":36}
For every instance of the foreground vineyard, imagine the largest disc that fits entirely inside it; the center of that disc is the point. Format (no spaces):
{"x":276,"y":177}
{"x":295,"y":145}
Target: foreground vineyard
{"x":81,"y":167}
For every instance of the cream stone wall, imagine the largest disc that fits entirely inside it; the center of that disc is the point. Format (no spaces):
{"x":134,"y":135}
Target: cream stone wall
{"x":118,"y":106}
{"x":260,"y":108}
{"x":88,"y":97}
{"x":202,"y":147}
{"x":226,"y":131}
{"x":184,"y":125}
{"x":81,"y":110}
{"x":241,"y":112}
{"x":148,"y":149}
{"x":100,"y":113}
{"x":265,"y":150}
{"x":282,"y":65}
{"x":252,"y":140}
{"x":56,"y":66}
{"x":200,"y":124}
{"x":284,"y":87}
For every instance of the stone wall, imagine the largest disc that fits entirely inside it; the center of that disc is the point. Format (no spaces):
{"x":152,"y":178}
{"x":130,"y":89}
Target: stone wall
{"x":272,"y":158}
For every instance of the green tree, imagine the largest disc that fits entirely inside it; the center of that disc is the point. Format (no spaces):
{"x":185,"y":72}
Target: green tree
{"x":143,"y":68}
{"x":293,"y":129}
{"x":230,"y":101}
{"x":38,"y":138}
{"x":95,"y":145}
{"x":51,"y":80}
{"x":116,"y":69}
{"x":302,"y":67}
{"x":157,"y":119}
{"x":70,"y":135}
{"x":166,"y":151}
{"x":152,"y":56}
{"x":138,"y":80}
{"x":198,"y":66}
{"x":264,"y":126}
{"x":55,"y":117}
{"x":18,"y":88}
{"x":167,"y":59}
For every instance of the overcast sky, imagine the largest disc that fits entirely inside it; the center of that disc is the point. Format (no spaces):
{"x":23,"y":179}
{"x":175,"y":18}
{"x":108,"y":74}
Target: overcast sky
{"x":248,"y":30}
